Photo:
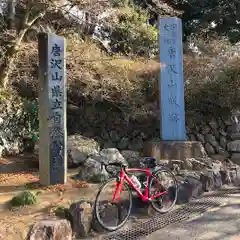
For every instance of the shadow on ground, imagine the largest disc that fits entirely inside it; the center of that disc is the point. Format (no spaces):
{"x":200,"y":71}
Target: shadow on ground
{"x":222,"y":224}
{"x":194,"y":208}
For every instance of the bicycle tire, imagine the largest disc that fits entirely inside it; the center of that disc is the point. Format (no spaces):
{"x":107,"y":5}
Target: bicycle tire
{"x":175,"y":193}
{"x":96,"y":213}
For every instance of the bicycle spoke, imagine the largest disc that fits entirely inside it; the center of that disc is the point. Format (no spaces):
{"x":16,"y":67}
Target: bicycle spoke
{"x":163,"y":191}
{"x":112,"y":212}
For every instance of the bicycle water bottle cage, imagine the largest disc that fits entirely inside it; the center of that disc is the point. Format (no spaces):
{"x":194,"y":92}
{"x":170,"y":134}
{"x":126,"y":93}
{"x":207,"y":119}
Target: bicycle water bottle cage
{"x":150,"y":162}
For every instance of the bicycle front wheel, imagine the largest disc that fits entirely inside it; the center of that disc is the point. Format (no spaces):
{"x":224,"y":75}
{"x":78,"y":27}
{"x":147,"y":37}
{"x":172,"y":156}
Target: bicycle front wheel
{"x":110,"y":214}
{"x":163,"y":181}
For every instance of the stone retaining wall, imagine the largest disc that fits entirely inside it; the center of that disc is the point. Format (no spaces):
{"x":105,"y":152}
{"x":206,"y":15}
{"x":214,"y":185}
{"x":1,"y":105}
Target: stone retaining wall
{"x":108,"y":126}
{"x":220,"y":138}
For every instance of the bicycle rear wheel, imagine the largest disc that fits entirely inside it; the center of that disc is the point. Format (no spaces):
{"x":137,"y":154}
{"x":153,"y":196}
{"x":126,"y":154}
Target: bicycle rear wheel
{"x":163,"y":181}
{"x":113,"y":215}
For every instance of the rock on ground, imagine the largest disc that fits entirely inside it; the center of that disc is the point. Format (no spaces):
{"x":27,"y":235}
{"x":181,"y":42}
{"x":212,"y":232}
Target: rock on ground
{"x":78,"y":149}
{"x":189,"y":186}
{"x":234,"y":146}
{"x":112,"y":155}
{"x":236,"y":158}
{"x":91,"y":169}
{"x":81,"y":213}
{"x":50,"y":229}
{"x":205,"y":175}
{"x":211,"y":180}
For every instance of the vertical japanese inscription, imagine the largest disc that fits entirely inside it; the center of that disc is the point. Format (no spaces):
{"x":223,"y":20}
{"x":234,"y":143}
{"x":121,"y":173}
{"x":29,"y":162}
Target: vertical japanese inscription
{"x":171,"y":80}
{"x":52,"y":109}
{"x":56,"y":111}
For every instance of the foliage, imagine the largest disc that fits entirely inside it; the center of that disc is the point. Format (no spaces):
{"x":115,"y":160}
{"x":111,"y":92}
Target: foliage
{"x":63,"y":212}
{"x":208,"y":18}
{"x":23,"y":199}
{"x":119,"y":3}
{"x":213,"y":83}
{"x":132,"y":35}
{"x":131,"y":84}
{"x":31,"y":119}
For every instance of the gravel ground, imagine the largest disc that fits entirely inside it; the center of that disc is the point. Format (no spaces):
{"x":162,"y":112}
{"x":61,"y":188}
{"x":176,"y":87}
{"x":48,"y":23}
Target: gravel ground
{"x":220,"y":224}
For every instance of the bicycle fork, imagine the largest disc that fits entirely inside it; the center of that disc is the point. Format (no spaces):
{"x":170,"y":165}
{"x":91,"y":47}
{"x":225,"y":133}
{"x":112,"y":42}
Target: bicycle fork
{"x":118,"y":189}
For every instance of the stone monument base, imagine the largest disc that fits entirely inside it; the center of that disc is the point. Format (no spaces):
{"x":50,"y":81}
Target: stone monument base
{"x":174,"y":150}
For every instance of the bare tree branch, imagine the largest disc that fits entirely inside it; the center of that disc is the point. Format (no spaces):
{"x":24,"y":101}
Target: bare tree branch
{"x":6,"y":67}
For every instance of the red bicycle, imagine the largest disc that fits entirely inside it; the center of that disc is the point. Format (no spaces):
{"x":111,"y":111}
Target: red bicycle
{"x":119,"y":189}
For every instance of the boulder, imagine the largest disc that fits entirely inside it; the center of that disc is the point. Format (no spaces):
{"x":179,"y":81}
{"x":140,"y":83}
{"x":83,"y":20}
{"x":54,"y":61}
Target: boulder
{"x":200,"y":138}
{"x":79,"y":147}
{"x":200,"y":163}
{"x":213,"y":124}
{"x":222,"y":151}
{"x":82,"y":213}
{"x":223,"y":142}
{"x":51,"y":229}
{"x":136,"y":144}
{"x":112,"y":155}
{"x":205,"y":129}
{"x":235,"y":136}
{"x":234,"y":172}
{"x":234,"y":146}
{"x":92,"y":170}
{"x":114,"y":136}
{"x":189,"y":187}
{"x":211,"y":179}
{"x":226,"y":176}
{"x":235,"y":176}
{"x":219,"y":157}
{"x":236,"y":158}
{"x":196,"y":164}
{"x":133,"y":158}
{"x":222,"y":132}
{"x":123,"y":143}
{"x":211,"y":139}
{"x":173,"y":165}
{"x":209,"y":148}
{"x":234,"y":127}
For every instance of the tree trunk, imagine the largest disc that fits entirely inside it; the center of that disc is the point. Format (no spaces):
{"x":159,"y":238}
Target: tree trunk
{"x":6,"y":67}
{"x":11,"y":14}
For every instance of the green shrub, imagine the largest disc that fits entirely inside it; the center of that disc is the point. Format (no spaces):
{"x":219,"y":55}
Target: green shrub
{"x":133,"y":35}
{"x":214,"y":95}
{"x":119,"y":3}
{"x":63,"y":212}
{"x":23,"y":199}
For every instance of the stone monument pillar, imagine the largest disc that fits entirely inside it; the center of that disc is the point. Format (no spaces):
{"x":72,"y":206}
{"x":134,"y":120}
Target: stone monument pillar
{"x":172,"y":143}
{"x":52,"y":109}
{"x":172,"y":117}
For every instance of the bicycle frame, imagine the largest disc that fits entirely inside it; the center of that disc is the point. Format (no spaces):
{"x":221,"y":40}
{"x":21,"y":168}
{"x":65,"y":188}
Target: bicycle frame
{"x":124,"y":177}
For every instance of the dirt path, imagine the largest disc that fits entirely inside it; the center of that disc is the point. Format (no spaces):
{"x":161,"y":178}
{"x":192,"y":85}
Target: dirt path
{"x":18,"y":174}
{"x":15,"y":177}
